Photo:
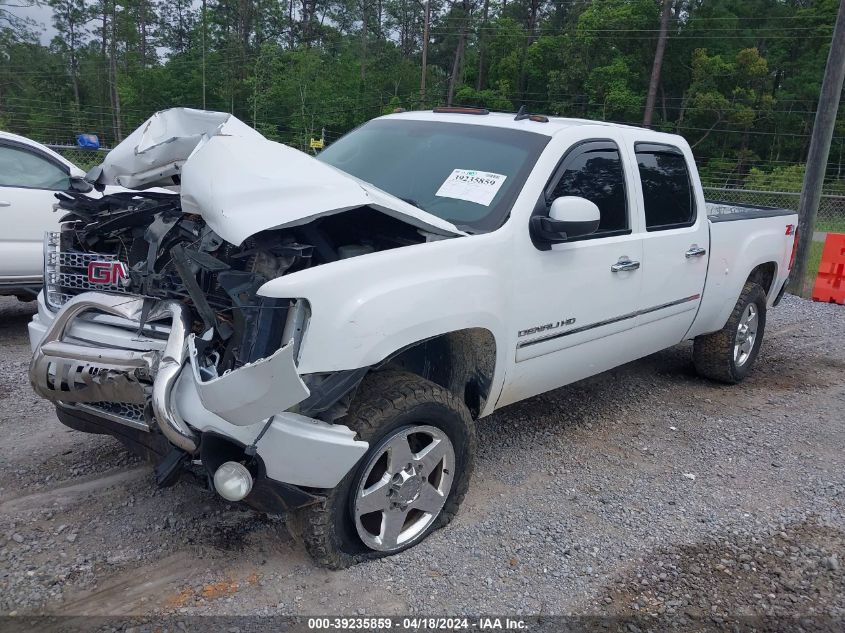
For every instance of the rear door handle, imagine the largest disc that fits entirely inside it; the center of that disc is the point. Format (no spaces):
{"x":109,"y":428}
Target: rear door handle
{"x":3,"y":203}
{"x":623,"y":265}
{"x":695,"y":251}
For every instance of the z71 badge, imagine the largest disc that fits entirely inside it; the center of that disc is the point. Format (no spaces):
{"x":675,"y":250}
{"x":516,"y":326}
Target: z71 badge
{"x":546,"y":327}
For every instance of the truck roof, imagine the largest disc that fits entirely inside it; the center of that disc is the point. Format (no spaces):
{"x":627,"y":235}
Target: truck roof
{"x":507,"y":120}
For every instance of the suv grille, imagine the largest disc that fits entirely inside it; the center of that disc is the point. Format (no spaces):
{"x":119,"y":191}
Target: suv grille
{"x":66,"y":272}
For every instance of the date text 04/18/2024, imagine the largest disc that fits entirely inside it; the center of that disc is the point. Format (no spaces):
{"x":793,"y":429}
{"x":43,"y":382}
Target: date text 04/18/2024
{"x":417,"y":623}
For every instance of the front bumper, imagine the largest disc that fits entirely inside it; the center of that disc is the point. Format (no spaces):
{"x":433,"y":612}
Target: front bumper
{"x":93,"y":356}
{"x":66,"y":371}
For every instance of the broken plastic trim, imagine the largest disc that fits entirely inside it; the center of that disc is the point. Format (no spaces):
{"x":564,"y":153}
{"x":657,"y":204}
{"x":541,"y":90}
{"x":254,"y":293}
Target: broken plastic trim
{"x":330,"y":390}
{"x":254,"y":392}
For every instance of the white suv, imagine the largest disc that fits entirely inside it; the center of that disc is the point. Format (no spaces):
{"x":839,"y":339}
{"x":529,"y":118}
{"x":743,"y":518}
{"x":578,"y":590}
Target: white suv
{"x":30,"y":176}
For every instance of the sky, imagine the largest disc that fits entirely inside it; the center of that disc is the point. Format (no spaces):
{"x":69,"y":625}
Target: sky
{"x":41,"y":15}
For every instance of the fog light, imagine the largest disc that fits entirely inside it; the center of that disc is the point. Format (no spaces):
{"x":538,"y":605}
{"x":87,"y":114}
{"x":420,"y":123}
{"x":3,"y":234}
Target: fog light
{"x":232,"y":481}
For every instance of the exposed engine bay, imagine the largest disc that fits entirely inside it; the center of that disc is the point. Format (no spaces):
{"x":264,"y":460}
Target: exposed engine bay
{"x":155,"y":250}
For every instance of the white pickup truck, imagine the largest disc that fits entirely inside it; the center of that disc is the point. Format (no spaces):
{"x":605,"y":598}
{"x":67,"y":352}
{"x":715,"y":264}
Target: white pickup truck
{"x":319,"y":335}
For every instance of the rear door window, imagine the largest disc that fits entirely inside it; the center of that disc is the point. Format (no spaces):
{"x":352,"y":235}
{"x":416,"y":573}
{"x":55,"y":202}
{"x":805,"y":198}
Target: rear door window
{"x":667,"y":187}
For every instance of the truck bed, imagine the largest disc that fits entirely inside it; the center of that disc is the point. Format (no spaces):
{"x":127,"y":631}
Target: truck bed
{"x":738,"y":247}
{"x":721,"y":211}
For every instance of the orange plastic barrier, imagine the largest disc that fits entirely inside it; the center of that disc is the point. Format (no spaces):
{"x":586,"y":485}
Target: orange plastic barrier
{"x":830,"y":282}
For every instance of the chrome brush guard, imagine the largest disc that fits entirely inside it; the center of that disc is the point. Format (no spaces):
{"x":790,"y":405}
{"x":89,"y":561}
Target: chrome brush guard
{"x":69,"y":372}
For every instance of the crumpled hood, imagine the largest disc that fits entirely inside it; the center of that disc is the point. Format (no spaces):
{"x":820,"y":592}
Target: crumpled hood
{"x":239,"y":181}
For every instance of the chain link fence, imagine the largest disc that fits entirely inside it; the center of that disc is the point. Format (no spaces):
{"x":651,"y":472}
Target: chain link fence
{"x":85,"y":159}
{"x":831,"y":216}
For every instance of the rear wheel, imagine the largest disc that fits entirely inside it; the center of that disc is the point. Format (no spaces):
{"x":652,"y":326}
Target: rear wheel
{"x":729,"y":354}
{"x":410,"y":482}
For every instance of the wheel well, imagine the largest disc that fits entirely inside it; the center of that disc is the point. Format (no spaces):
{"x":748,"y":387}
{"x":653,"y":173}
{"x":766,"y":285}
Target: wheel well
{"x":462,"y":361}
{"x":764,"y":275}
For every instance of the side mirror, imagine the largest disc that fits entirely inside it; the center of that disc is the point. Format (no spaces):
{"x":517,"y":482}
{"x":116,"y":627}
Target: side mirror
{"x":79,"y":184}
{"x":569,"y":217}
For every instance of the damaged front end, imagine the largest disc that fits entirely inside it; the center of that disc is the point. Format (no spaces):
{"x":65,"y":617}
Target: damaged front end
{"x":81,"y":375}
{"x":151,"y":327}
{"x":177,"y":343}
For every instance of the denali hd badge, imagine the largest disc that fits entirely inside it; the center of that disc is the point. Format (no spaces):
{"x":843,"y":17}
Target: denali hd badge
{"x":107,"y":273}
{"x":543,"y":328}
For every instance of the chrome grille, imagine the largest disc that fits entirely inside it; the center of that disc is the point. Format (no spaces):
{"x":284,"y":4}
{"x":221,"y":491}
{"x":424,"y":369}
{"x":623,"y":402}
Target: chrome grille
{"x":66,"y":272}
{"x":78,"y":281}
{"x":125,"y":410}
{"x":125,"y":413}
{"x":78,"y":260}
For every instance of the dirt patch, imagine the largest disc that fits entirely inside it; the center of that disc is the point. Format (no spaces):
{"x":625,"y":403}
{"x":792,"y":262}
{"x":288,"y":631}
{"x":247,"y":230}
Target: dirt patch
{"x":68,"y":492}
{"x":232,"y":537}
{"x":209,"y":591}
{"x":744,"y":577}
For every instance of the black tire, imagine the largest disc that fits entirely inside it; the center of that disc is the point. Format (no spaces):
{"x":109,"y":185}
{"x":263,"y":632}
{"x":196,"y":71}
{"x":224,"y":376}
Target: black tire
{"x":385,"y":402}
{"x":713,"y":354}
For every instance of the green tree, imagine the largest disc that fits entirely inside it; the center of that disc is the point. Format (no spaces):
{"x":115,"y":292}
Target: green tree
{"x":71,"y":19}
{"x":740,"y":78}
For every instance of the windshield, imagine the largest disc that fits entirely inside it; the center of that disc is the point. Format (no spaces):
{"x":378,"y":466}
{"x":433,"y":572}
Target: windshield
{"x":469,"y":175}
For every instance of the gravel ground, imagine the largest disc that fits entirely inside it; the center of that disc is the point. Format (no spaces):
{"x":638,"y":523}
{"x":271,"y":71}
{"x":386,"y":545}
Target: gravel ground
{"x":642,"y":493}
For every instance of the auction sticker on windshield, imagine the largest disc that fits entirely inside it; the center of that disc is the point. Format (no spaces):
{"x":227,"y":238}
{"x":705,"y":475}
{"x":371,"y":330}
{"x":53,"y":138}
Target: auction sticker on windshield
{"x":471,"y":185}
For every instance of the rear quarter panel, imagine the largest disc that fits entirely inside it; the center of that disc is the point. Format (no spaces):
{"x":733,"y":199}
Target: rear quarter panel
{"x":736,"y":249}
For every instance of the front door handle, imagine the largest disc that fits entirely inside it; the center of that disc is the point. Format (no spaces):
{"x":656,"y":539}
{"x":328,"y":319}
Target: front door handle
{"x":3,"y":203}
{"x":623,"y":265}
{"x":695,"y":251}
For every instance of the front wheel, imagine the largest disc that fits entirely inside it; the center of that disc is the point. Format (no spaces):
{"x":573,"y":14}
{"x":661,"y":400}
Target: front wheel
{"x":411,"y":481}
{"x":729,"y":354}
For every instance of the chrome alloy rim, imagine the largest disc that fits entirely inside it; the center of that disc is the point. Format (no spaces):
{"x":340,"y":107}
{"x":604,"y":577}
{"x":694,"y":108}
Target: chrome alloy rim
{"x":404,"y":487}
{"x":746,"y":334}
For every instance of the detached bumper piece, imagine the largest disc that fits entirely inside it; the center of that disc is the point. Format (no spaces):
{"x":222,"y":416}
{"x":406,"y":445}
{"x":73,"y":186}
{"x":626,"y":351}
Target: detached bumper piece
{"x":254,"y":392}
{"x":74,"y":374}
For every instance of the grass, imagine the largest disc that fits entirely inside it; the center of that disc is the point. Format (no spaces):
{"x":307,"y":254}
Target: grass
{"x":836,"y":225}
{"x":813,"y":261}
